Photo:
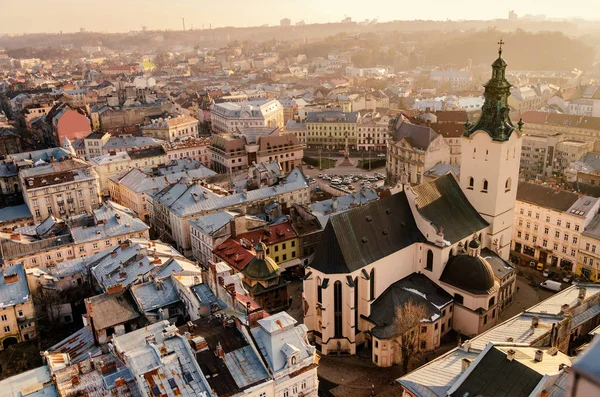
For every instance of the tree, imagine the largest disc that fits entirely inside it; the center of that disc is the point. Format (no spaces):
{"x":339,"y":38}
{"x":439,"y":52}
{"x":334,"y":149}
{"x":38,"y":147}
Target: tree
{"x":407,"y":331}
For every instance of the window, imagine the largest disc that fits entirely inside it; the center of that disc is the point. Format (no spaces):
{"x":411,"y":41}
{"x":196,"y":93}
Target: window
{"x":283,"y":246}
{"x":574,"y":240}
{"x":423,"y":344}
{"x":545,"y":243}
{"x":485,"y":319}
{"x":286,"y":393}
{"x":484,"y":186}
{"x":423,"y":330}
{"x":558,"y":222}
{"x":337,"y":308}
{"x":4,"y":318}
{"x":507,"y":185}
{"x":443,"y":327}
{"x":107,"y":242}
{"x":566,"y":237}
{"x":319,"y":291}
{"x":277,"y":248}
{"x":429,"y":260}
{"x":576,"y":228}
{"x":492,"y":301}
{"x":7,"y":328}
{"x":547,"y":218}
{"x":303,"y":385}
{"x":568,"y":225}
{"x":372,"y":284}
{"x":546,"y":230}
{"x":555,"y":246}
{"x":557,"y":234}
{"x":471,"y":183}
{"x":284,"y":257}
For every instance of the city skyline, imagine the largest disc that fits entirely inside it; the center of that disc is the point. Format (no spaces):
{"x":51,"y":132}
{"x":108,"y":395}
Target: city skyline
{"x":69,"y":16}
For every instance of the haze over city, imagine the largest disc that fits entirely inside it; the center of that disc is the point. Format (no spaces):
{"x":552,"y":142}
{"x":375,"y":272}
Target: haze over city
{"x":299,"y":198}
{"x":117,"y":16}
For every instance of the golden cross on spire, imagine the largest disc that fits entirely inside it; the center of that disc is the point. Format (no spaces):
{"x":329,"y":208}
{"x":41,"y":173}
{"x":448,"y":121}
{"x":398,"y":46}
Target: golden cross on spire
{"x":500,"y":43}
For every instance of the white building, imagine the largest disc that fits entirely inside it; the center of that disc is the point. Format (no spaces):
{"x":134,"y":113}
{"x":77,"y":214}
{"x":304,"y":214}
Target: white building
{"x":227,"y":116}
{"x":170,"y":129}
{"x":549,"y":224}
{"x":456,"y":235}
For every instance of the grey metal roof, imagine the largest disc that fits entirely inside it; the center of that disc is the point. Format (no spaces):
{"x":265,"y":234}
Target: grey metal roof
{"x":546,"y":196}
{"x":20,"y":385}
{"x":185,"y":199}
{"x":356,"y":238}
{"x":417,"y":135}
{"x":16,"y":212}
{"x":154,"y":295}
{"x":209,"y":224}
{"x":588,"y":364}
{"x":274,"y":333}
{"x":500,"y":267}
{"x":332,"y":117}
{"x":78,"y":346}
{"x":13,"y":286}
{"x":111,"y":220}
{"x":593,"y":228}
{"x":108,"y":310}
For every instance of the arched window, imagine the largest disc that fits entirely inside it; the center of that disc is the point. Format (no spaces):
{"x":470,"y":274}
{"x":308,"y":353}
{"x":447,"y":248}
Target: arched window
{"x":337,"y":309}
{"x":508,"y":185}
{"x":491,"y":302}
{"x":429,"y":260}
{"x":319,"y":291}
{"x":458,"y":298}
{"x":356,"y":304}
{"x":372,"y":285}
{"x":471,"y":182}
{"x":485,"y":185}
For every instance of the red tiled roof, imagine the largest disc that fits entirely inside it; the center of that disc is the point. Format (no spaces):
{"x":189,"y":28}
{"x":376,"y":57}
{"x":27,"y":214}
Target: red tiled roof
{"x":234,"y":254}
{"x":275,"y":234}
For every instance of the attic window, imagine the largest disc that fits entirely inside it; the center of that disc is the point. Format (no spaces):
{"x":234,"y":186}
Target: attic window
{"x":364,"y":240}
{"x":385,"y":232}
{"x":369,"y":218}
{"x":388,"y":211}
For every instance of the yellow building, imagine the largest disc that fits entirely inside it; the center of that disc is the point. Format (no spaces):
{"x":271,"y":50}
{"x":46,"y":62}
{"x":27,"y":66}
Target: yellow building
{"x":17,"y":315}
{"x":588,"y":259}
{"x":330,"y":130}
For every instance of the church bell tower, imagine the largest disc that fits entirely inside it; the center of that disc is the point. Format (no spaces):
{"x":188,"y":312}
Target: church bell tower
{"x":490,"y":158}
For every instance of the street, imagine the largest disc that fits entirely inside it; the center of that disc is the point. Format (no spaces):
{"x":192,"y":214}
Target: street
{"x":343,"y":170}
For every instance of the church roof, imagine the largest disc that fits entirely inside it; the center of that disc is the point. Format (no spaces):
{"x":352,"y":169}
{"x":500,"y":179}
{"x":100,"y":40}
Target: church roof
{"x":469,"y":273}
{"x":356,"y":238}
{"x":443,"y":202}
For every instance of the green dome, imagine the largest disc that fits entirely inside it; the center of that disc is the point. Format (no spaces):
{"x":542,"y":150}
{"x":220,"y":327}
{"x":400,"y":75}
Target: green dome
{"x":261,"y":267}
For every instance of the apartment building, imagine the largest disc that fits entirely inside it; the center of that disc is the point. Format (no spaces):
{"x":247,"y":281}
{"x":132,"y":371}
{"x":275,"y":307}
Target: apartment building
{"x":545,"y":156}
{"x":133,"y":188}
{"x":191,"y":148}
{"x":68,"y":187}
{"x":99,"y":143}
{"x":175,"y":205}
{"x":588,"y":258}
{"x":549,"y":223}
{"x":412,"y":151}
{"x":17,"y":314}
{"x":170,"y":129}
{"x":372,"y":136}
{"x":577,"y":128}
{"x":227,"y":116}
{"x":54,"y":241}
{"x":234,"y":152}
{"x":109,"y":165}
{"x":332,"y":129}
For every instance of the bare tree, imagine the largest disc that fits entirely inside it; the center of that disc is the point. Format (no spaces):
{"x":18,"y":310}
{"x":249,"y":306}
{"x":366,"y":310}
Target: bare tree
{"x":407,"y":333}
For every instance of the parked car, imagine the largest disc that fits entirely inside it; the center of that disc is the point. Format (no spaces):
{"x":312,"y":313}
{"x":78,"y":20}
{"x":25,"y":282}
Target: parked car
{"x":540,"y":266}
{"x":350,"y":187}
{"x":336,"y":181}
{"x":320,"y":176}
{"x":546,"y":273}
{"x":381,"y":155}
{"x":310,"y":167}
{"x":551,"y":285}
{"x":567,"y":279}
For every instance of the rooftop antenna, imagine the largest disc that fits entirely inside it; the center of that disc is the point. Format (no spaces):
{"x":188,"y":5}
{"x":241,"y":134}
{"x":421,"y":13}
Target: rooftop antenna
{"x":183,"y":22}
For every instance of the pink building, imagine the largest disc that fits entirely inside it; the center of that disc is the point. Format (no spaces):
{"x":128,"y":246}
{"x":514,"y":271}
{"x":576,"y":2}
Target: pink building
{"x":71,"y":123}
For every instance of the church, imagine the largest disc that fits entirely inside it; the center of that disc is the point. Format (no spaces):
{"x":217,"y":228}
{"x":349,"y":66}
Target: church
{"x":443,"y":245}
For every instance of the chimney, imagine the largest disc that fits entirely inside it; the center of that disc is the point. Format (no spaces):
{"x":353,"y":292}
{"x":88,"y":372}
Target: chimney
{"x":219,"y":351}
{"x":581,"y":296}
{"x":535,"y":320}
{"x":465,"y":363}
{"x":539,"y":355}
{"x":125,"y":245}
{"x":466,"y":346}
{"x":510,"y":354}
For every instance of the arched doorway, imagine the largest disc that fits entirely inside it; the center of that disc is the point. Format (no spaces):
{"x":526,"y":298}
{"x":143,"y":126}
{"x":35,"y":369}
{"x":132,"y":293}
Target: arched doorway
{"x":11,"y":340}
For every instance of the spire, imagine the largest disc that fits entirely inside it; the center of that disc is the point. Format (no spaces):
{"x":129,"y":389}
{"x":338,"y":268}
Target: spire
{"x":494,"y":113}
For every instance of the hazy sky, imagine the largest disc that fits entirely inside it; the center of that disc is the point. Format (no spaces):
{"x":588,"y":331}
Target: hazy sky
{"x":18,"y":16}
